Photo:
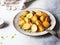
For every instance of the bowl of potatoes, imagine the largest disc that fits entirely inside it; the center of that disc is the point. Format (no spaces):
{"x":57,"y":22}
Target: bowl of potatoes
{"x":34,"y":22}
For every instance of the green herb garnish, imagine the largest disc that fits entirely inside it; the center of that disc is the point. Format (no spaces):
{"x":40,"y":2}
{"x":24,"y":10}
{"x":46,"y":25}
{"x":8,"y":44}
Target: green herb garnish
{"x":22,"y":28}
{"x":12,"y":37}
{"x":2,"y":37}
{"x":1,"y":43}
{"x":28,"y":31}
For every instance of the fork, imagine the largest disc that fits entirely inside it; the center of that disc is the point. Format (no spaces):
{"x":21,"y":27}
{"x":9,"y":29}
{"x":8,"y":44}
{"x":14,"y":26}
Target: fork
{"x":54,"y":33}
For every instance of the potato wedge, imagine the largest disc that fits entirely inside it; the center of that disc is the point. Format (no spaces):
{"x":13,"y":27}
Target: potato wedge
{"x":46,"y":24}
{"x":26,"y":20}
{"x":30,"y":15}
{"x":39,"y":13}
{"x":38,"y":22}
{"x":30,"y":23}
{"x":26,"y":26}
{"x":44,"y":14}
{"x":21,"y":17}
{"x":34,"y":28}
{"x":42,"y":18}
{"x":47,"y":19}
{"x":21,"y":22}
{"x":34,"y":18}
{"x":25,"y":13}
{"x":41,"y":28}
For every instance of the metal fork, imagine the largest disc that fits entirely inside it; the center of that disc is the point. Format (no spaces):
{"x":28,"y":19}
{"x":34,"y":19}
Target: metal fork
{"x":54,"y":33}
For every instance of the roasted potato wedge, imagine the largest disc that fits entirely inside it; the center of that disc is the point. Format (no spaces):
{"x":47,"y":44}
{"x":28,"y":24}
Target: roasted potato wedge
{"x":26,"y":20}
{"x":41,"y":28}
{"x":26,"y":26}
{"x":38,"y":22}
{"x":34,"y":18}
{"x":44,"y":14}
{"x":39,"y":13}
{"x":47,"y":19}
{"x":21,"y":22}
{"x":42,"y":18}
{"x":46,"y":24}
{"x":30,"y":15}
{"x":25,"y":13}
{"x":21,"y":17}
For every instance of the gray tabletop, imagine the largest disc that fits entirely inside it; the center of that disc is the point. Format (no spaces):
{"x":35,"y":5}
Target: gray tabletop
{"x":52,"y":6}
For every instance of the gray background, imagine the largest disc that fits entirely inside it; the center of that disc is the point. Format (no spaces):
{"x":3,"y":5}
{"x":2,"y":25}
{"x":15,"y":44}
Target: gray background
{"x":52,"y":6}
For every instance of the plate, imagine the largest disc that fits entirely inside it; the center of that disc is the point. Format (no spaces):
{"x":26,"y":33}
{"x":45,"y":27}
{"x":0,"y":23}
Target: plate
{"x":16,"y":19}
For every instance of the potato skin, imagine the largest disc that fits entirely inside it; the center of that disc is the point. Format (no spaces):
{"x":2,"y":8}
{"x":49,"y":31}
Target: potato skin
{"x":34,"y":18}
{"x":21,"y":22}
{"x":41,"y":28}
{"x":21,"y":17}
{"x":26,"y":20}
{"x":26,"y":26}
{"x":39,"y":13}
{"x":38,"y":22}
{"x":25,"y":13}
{"x":47,"y":19}
{"x":42,"y":18}
{"x":29,"y":15}
{"x":44,"y":14}
{"x":46,"y":24}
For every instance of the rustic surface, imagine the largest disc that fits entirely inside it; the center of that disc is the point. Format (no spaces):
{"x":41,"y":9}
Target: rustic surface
{"x":52,"y":6}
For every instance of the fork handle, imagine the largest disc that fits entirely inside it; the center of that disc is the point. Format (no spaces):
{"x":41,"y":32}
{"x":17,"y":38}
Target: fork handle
{"x":54,"y":33}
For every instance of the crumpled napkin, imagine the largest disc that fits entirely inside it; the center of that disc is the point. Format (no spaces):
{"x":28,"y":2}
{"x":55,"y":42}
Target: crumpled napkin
{"x":14,"y":4}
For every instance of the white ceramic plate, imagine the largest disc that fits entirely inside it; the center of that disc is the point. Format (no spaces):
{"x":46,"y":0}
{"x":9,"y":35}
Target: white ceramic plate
{"x":16,"y":18}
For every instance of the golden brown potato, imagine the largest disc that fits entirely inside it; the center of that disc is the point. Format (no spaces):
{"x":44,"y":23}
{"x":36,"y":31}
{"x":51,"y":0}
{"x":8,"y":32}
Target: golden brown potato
{"x":34,"y":21}
{"x":26,"y":20}
{"x":46,"y":24}
{"x":42,"y":18}
{"x":21,"y":17}
{"x":38,"y":22}
{"x":41,"y":28}
{"x":25,"y":13}
{"x":34,"y":18}
{"x":47,"y":19}
{"x":33,"y":28}
{"x":30,"y":15}
{"x":30,"y":23}
{"x":39,"y":13}
{"x":44,"y":14}
{"x":21,"y":22}
{"x":26,"y":26}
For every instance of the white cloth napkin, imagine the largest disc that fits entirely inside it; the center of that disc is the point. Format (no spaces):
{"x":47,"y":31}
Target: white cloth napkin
{"x":13,"y":4}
